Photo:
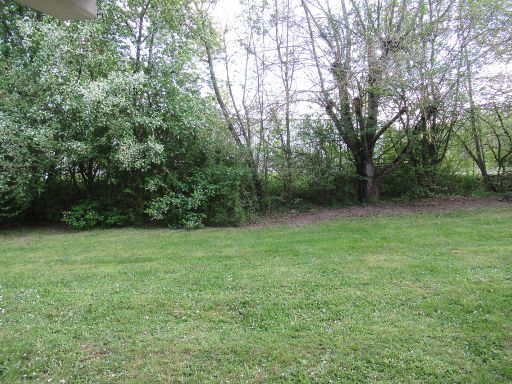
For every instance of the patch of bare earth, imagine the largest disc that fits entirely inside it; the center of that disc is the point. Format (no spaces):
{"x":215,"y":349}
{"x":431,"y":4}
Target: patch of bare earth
{"x":436,"y":204}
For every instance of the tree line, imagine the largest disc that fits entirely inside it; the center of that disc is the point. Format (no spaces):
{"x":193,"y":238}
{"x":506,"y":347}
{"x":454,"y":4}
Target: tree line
{"x":155,"y":111}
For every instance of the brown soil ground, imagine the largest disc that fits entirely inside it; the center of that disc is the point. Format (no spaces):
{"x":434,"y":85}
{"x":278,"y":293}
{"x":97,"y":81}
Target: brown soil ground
{"x":437,"y":204}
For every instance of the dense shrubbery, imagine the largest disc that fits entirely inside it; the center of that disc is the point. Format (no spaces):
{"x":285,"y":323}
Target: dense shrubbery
{"x":91,"y":214}
{"x":95,"y":135}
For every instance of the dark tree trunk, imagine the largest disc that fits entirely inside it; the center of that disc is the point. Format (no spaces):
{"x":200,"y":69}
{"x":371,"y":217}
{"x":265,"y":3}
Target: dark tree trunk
{"x":372,"y":183}
{"x":288,"y":189}
{"x":361,"y":182}
{"x":368,"y":181}
{"x":487,"y":181}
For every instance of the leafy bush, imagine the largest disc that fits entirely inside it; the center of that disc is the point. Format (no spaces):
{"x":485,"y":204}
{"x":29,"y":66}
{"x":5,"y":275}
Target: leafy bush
{"x":410,"y":182}
{"x":117,"y":218}
{"x":193,"y":221}
{"x":179,"y":209}
{"x":90,"y":214}
{"x":219,"y":194}
{"x":83,"y":216}
{"x":231,"y":196}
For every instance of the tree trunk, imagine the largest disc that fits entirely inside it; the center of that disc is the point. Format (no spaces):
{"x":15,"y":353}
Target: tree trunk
{"x":368,"y":181}
{"x":288,"y":189}
{"x":372,"y":183}
{"x":487,"y":181}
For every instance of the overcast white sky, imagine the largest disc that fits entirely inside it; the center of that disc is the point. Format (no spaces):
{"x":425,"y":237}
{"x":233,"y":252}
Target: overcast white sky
{"x":225,"y":15}
{"x":226,"y":11}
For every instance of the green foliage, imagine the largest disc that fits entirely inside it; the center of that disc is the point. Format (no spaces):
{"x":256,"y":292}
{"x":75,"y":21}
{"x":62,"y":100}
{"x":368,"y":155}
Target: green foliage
{"x":91,"y":214}
{"x":114,"y":217}
{"x":324,"y":173}
{"x":90,"y":119}
{"x":232,"y":197}
{"x":211,"y":196}
{"x":415,"y":182}
{"x":180,"y":209}
{"x":86,"y":215}
{"x":23,"y":165}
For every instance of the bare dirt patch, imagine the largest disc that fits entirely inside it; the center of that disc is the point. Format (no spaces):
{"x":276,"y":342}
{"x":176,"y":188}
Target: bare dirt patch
{"x":436,"y":204}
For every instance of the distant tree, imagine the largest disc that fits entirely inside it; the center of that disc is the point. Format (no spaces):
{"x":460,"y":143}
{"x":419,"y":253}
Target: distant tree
{"x":240,"y":114}
{"x":381,"y":65}
{"x":485,"y":32}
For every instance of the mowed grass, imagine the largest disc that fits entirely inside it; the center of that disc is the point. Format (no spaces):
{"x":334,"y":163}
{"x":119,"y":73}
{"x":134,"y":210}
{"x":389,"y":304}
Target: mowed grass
{"x":423,"y":298}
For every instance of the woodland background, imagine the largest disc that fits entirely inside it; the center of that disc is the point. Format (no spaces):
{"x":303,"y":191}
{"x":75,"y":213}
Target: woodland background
{"x":152,"y":112}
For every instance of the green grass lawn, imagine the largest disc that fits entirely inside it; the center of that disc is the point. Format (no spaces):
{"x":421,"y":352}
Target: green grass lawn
{"x":421,"y":298}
